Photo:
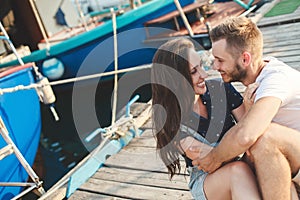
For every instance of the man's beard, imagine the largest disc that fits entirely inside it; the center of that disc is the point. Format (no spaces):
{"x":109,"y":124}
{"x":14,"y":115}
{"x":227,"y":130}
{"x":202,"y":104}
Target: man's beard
{"x":238,"y":74}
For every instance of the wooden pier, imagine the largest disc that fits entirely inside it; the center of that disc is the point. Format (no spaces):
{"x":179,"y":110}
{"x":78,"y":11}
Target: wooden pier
{"x":282,"y":38}
{"x":136,"y":172}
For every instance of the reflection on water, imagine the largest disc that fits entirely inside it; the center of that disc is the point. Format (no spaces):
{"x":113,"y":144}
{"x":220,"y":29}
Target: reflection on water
{"x":61,"y":146}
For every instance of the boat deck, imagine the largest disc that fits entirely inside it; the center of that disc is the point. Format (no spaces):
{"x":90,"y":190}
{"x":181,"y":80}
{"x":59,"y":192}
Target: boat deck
{"x":136,"y":172}
{"x":215,"y":14}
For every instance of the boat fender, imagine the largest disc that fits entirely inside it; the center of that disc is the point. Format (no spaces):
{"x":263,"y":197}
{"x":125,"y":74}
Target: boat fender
{"x":46,"y":95}
{"x":53,"y":68}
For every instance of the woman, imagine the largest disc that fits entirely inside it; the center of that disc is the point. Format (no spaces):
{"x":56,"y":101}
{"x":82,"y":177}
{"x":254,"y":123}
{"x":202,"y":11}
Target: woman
{"x":189,"y":111}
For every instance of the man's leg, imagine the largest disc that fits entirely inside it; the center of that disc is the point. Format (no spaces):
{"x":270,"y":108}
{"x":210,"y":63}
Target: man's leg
{"x":276,"y":156}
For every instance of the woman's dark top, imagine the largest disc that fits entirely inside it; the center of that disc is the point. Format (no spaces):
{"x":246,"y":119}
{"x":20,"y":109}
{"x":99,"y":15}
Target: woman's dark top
{"x":220,"y":99}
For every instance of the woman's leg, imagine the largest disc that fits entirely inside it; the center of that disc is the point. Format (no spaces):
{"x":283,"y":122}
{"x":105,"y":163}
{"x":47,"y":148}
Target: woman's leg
{"x":232,"y":181}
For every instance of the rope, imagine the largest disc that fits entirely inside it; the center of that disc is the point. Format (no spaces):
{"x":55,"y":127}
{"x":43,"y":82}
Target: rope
{"x":70,"y":80}
{"x":114,"y":111}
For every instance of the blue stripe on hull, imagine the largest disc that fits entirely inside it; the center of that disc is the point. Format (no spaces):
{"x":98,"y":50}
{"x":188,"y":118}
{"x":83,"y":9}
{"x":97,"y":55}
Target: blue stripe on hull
{"x":20,"y":112}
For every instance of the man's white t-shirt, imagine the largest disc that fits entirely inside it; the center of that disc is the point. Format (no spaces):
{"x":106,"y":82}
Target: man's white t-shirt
{"x":279,"y":80}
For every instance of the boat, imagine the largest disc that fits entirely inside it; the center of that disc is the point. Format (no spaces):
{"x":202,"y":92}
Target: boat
{"x":22,"y":88}
{"x":91,"y":46}
{"x":20,"y":112}
{"x":90,"y":49}
{"x":195,"y":20}
{"x":102,"y":5}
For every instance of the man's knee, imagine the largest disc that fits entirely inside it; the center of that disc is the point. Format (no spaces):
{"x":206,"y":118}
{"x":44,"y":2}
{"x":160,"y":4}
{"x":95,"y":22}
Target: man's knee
{"x":266,"y":143}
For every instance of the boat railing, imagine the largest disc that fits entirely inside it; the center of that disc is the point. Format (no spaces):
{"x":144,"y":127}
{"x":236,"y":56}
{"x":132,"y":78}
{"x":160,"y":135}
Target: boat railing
{"x":244,"y":5}
{"x":11,"y":148}
{"x":187,"y":21}
{"x":184,"y":18}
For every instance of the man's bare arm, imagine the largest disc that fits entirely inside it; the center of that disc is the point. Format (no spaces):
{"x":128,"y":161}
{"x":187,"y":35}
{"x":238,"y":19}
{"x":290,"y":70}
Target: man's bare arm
{"x":242,"y":136}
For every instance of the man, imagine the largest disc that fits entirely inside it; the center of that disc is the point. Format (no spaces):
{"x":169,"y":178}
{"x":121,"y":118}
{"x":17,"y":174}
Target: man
{"x":269,"y":132}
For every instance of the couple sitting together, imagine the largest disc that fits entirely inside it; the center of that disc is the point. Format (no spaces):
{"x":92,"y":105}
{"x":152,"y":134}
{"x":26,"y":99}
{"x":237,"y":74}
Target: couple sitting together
{"x":235,"y":147}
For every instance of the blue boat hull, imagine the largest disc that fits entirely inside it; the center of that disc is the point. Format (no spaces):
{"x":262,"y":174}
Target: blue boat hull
{"x":94,"y":49}
{"x":97,"y":56}
{"x":20,"y":112}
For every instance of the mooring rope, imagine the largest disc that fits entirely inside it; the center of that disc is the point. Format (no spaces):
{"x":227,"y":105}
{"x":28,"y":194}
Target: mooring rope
{"x":71,"y":80}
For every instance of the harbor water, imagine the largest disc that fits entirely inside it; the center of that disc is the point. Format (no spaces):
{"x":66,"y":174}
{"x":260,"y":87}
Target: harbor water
{"x":61,"y":145}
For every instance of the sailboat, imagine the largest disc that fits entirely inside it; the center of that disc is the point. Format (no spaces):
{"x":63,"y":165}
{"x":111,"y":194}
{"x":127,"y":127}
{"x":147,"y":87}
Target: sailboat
{"x":90,"y":50}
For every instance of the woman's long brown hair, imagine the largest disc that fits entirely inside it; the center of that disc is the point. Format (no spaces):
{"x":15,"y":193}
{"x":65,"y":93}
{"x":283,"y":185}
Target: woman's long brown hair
{"x":172,"y":99}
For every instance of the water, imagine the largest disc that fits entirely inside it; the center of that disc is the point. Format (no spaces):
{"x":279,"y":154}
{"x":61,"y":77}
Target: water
{"x":61,"y":146}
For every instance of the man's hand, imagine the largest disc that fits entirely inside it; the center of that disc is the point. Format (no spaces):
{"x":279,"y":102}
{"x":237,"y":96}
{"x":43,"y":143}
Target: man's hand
{"x":249,"y":95}
{"x":206,"y":160}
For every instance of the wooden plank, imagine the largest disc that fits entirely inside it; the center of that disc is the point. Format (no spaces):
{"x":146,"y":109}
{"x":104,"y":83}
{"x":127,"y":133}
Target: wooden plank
{"x":138,"y":177}
{"x":132,"y":191}
{"x":152,"y":163}
{"x":290,"y":59}
{"x":175,"y":13}
{"x":281,"y":44}
{"x":286,"y":53}
{"x":282,"y":28}
{"x":282,"y":32}
{"x":137,"y":160}
{"x":282,"y":37}
{"x":281,"y":49}
{"x":294,"y":65}
{"x":145,"y":140}
{"x":279,"y":34}
{"x":292,"y":18}
{"x":138,"y":157}
{"x":86,"y":195}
